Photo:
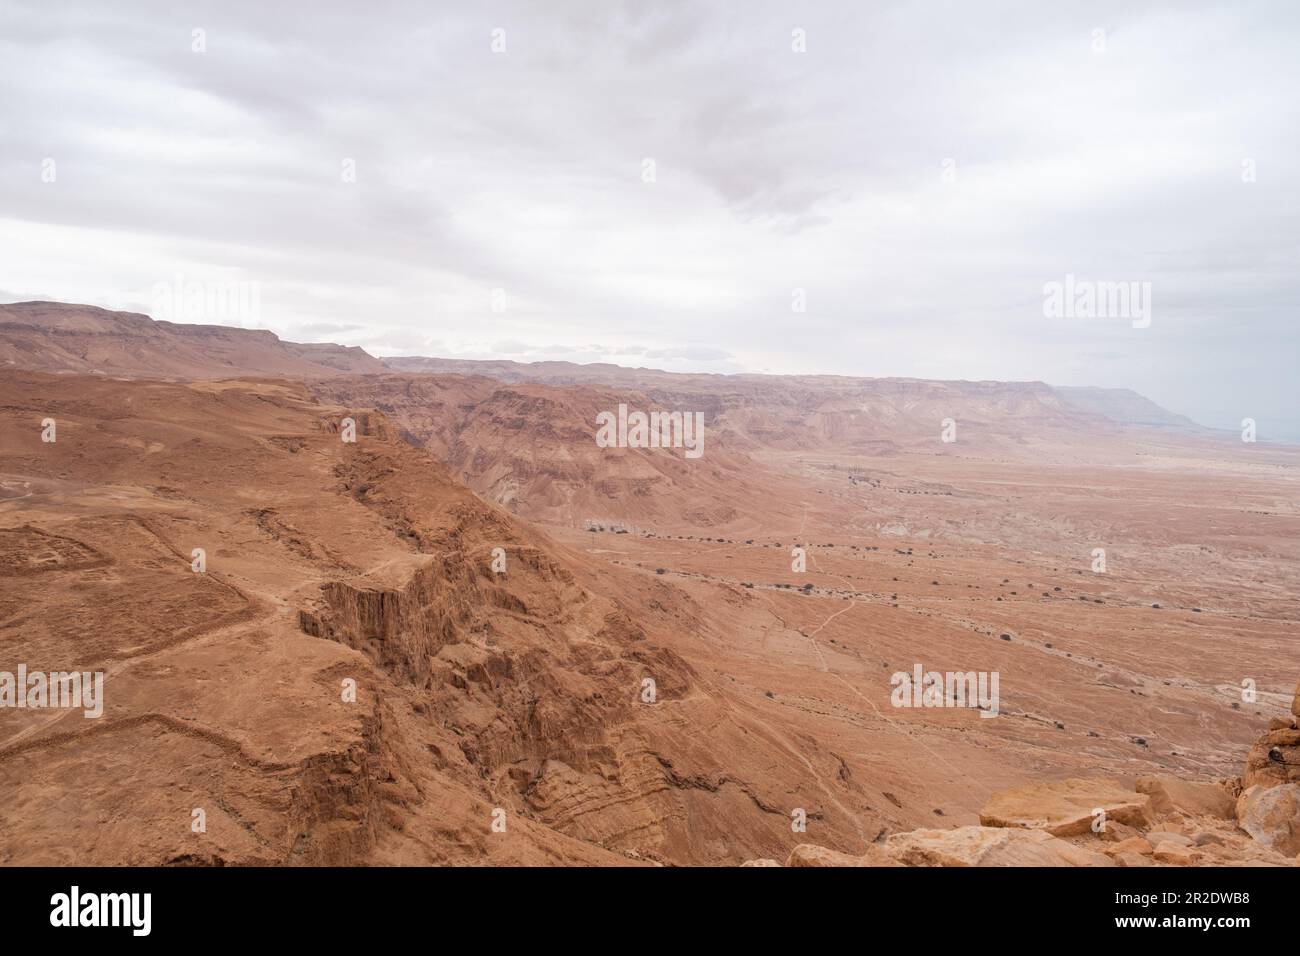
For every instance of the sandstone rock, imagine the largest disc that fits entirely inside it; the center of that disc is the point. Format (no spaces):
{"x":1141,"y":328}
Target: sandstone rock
{"x":988,"y":846}
{"x":1242,"y":797}
{"x":1271,"y":763}
{"x":1170,"y":794}
{"x":1132,"y":845}
{"x":1132,"y":860}
{"x":762,"y":862}
{"x":1159,"y":838}
{"x":1117,"y":832}
{"x":1065,"y":807}
{"x":1275,"y":758}
{"x":1176,"y":855}
{"x":1253,"y":863}
{"x":1272,"y":816}
{"x":809,"y":854}
{"x":1240,"y":850}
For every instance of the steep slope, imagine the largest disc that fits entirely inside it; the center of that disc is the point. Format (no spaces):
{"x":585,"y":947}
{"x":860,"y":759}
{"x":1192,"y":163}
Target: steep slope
{"x":894,"y":396}
{"x":532,"y":449}
{"x":57,"y":337}
{"x":1125,"y":406}
{"x":522,"y":691}
{"x":818,"y":412}
{"x":477,"y":690}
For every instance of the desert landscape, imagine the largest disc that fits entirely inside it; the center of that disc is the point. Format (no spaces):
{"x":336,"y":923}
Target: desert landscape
{"x":409,"y":611}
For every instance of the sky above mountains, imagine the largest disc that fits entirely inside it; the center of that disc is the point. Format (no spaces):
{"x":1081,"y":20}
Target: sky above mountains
{"x":864,"y":189}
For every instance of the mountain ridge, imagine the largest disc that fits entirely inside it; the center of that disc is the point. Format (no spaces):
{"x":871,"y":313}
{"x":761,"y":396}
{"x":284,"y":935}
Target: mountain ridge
{"x":62,"y":337}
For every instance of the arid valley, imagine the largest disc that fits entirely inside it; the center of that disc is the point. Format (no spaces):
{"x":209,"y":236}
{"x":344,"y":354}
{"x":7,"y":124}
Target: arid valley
{"x":562,"y":653}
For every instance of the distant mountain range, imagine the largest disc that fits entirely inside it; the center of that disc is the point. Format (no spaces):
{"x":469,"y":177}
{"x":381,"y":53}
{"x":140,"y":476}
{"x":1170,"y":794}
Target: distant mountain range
{"x":55,"y":337}
{"x":68,"y":338}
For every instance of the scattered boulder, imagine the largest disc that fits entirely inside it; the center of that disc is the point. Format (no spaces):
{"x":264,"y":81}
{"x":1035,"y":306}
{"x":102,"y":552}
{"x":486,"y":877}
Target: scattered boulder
{"x":1159,"y":838}
{"x":1271,"y":815}
{"x":1131,"y":845}
{"x":1117,"y":832}
{"x":1051,"y":824}
{"x":1175,"y":855}
{"x":809,"y":854}
{"x":1066,"y":807}
{"x":988,"y":846}
{"x":1171,"y":795}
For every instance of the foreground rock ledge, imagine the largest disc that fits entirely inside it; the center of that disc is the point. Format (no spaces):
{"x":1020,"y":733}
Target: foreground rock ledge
{"x":963,"y":846}
{"x":1066,"y":807}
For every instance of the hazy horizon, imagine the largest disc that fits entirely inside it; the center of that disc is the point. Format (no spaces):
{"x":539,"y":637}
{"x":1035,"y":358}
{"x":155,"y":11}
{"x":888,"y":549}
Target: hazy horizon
{"x":811,"y":189}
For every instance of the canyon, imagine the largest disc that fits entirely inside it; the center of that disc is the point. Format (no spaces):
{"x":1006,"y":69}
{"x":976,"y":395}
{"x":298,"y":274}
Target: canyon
{"x":353,"y":678}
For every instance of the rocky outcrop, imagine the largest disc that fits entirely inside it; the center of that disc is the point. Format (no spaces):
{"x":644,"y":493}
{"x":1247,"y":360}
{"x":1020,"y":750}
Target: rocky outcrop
{"x":808,"y":854}
{"x":62,"y":337}
{"x":989,"y":846}
{"x":1066,"y":807}
{"x":401,"y":629}
{"x":1271,"y":815}
{"x":1169,"y":794}
{"x":1163,"y":821}
{"x":342,"y":799}
{"x":1275,"y":758}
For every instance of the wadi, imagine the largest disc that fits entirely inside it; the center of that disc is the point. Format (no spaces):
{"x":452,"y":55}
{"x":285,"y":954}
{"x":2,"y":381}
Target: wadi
{"x":416,"y":647}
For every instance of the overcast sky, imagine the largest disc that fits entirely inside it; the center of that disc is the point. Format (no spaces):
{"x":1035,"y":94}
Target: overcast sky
{"x":919,"y":171}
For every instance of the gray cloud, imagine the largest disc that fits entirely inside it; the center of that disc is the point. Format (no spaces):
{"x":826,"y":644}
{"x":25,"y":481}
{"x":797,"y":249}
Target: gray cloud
{"x":486,"y":178}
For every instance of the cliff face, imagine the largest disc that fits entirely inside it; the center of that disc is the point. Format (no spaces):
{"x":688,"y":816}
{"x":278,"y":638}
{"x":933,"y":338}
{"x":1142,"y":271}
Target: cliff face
{"x":532,"y":449}
{"x":1125,"y":406}
{"x":531,"y":446}
{"x":371,"y":665}
{"x":57,"y":337}
{"x":894,"y":397}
